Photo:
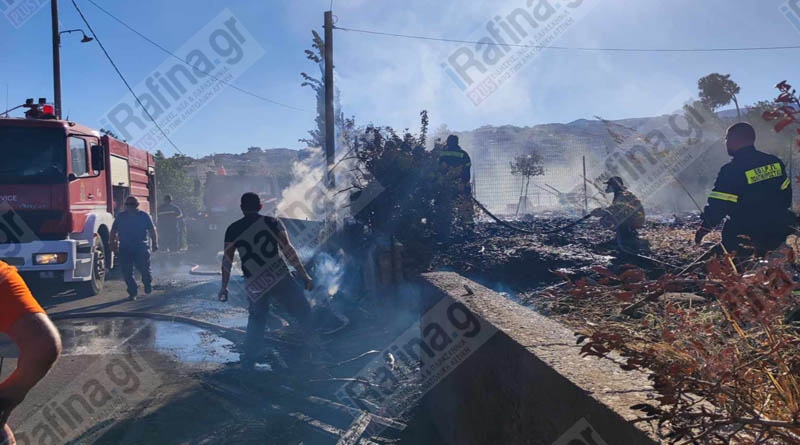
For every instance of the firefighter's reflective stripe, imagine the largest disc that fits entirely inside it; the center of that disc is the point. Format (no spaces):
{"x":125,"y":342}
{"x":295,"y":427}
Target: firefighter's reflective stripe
{"x":724,"y":196}
{"x":452,"y":154}
{"x":763,"y":173}
{"x":786,"y":184}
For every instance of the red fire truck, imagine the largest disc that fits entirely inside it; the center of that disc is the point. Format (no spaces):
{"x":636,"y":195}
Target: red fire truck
{"x":61,"y":184}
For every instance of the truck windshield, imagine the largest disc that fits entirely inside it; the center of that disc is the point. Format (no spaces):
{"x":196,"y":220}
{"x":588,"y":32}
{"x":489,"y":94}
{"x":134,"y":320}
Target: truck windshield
{"x":32,"y":156}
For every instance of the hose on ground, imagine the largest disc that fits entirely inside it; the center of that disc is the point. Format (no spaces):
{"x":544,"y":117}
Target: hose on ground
{"x":526,"y":231}
{"x":150,"y":316}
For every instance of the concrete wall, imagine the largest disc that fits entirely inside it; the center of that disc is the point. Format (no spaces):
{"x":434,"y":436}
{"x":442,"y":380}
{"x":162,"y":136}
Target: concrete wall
{"x":527,"y":384}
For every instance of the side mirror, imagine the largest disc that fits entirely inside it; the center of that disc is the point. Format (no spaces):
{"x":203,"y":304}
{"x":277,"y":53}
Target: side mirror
{"x":98,"y":158}
{"x":71,"y":177}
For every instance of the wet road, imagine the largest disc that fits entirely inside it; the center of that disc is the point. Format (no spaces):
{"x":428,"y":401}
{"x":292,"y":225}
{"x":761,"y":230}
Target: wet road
{"x":184,"y":343}
{"x":197,"y":391}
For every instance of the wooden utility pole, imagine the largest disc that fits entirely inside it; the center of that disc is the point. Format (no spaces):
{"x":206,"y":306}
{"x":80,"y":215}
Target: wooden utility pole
{"x":56,"y":58}
{"x":330,"y":128}
{"x":585,"y":192}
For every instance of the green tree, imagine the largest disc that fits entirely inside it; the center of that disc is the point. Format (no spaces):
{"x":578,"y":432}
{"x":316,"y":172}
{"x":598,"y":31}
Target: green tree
{"x":718,"y":90}
{"x":111,"y":133}
{"x":417,"y":202}
{"x":527,"y":165}
{"x":173,"y":178}
{"x":344,"y":127}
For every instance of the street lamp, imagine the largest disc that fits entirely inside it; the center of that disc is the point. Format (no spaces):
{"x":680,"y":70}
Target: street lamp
{"x":85,"y":39}
{"x":57,"y":55}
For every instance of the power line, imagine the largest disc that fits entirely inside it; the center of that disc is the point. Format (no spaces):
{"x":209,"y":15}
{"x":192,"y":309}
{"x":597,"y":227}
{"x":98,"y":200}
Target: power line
{"x":121,"y":76}
{"x":576,"y":48}
{"x":172,"y":54}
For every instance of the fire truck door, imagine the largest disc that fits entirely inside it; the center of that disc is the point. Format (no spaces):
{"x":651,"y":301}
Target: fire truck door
{"x":87,"y":187}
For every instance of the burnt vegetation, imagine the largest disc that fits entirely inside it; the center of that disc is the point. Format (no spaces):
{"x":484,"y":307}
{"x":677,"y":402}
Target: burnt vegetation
{"x":718,"y":339}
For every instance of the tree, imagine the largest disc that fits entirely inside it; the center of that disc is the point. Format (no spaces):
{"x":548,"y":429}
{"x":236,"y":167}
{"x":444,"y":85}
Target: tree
{"x":526,"y":165}
{"x":173,"y":179}
{"x":417,"y":202}
{"x":111,"y":133}
{"x":345,"y":128}
{"x":718,"y":90}
{"x":254,"y":150}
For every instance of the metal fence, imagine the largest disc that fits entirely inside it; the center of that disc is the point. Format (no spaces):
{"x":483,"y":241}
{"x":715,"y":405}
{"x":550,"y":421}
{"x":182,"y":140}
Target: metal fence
{"x":493,"y":149}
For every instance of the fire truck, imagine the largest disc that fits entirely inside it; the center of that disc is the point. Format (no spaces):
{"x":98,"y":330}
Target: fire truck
{"x":61,"y":185}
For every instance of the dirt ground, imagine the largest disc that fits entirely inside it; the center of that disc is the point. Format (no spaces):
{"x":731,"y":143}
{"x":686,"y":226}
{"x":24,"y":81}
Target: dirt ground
{"x":534,"y":269}
{"x":524,"y":261}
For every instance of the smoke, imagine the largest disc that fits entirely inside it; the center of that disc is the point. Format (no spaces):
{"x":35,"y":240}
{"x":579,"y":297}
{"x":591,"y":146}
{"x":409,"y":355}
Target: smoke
{"x":308,"y":197}
{"x":329,"y":272}
{"x":307,"y":176}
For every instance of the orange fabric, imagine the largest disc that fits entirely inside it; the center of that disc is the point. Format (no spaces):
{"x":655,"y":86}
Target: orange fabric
{"x":16,"y":299}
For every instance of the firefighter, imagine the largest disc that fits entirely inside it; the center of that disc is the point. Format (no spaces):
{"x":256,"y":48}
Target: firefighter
{"x":754,"y":192}
{"x":129,"y":242}
{"x":38,"y":341}
{"x":625,"y":214}
{"x":451,"y":158}
{"x":170,"y":224}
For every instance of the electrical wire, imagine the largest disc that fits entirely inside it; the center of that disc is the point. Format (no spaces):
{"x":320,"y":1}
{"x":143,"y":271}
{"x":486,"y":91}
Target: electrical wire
{"x":575,"y":48}
{"x":121,"y":76}
{"x":172,"y":54}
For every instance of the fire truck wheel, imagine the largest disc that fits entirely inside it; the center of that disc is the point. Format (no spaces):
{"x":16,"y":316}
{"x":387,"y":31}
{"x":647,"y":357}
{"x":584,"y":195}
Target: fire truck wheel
{"x":95,"y":285}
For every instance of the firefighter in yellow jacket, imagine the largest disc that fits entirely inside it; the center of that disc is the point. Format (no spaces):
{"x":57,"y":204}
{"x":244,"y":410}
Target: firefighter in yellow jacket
{"x":625,"y":214}
{"x":754,"y":192}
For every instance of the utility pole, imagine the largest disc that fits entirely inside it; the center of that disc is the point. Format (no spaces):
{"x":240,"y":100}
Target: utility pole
{"x":585,"y":192}
{"x":330,"y":129}
{"x":56,"y":59}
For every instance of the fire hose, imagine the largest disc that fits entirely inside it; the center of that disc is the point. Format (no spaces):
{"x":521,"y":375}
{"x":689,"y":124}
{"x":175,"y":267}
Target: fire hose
{"x":563,"y":228}
{"x":194,"y":271}
{"x":526,"y":231}
{"x":500,"y":221}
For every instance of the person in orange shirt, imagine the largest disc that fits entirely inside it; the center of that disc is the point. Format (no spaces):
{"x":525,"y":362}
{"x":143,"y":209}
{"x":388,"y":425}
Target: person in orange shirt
{"x":24,"y":321}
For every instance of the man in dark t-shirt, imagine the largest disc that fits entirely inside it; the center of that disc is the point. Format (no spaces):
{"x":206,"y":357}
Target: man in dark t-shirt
{"x":264,"y":250}
{"x":129,"y":236}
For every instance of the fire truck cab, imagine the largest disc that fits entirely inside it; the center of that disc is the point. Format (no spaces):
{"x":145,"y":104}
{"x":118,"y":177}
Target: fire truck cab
{"x":61,"y":185}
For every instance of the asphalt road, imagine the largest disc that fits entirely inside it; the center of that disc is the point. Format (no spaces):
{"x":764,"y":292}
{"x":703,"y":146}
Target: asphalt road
{"x":133,"y":380}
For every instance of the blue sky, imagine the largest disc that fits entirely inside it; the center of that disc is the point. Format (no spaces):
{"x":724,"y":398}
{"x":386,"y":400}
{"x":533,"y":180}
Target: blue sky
{"x":387,"y":81}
